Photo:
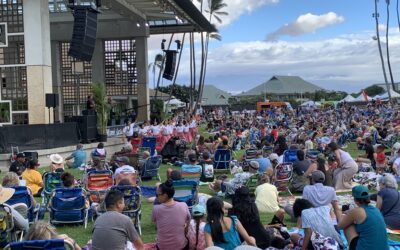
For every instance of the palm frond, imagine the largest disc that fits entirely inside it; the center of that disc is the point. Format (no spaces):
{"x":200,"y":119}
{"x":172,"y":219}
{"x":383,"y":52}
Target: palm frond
{"x":224,"y":13}
{"x":218,"y":18}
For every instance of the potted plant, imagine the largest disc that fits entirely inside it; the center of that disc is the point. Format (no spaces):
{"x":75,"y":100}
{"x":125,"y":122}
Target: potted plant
{"x":102,"y":108}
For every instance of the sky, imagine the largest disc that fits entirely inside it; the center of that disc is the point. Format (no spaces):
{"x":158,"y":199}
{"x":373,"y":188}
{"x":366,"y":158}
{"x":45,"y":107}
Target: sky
{"x":326,"y":42}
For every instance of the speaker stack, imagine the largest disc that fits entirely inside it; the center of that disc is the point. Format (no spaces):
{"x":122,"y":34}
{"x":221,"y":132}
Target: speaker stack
{"x":51,"y":100}
{"x":87,"y":126}
{"x":84,"y":34}
{"x":170,"y":62}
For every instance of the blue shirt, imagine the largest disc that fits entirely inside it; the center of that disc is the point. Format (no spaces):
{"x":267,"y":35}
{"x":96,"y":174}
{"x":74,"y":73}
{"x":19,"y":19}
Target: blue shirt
{"x":264,"y":164}
{"x":231,"y":237}
{"x":79,"y":158}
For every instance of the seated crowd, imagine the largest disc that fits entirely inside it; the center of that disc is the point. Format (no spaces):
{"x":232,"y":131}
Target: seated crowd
{"x":253,"y":190}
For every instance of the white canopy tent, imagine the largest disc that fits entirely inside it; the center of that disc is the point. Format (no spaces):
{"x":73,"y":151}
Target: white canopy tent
{"x":385,"y":96}
{"x":173,"y":104}
{"x":361,"y":98}
{"x":311,"y":104}
{"x":348,"y":98}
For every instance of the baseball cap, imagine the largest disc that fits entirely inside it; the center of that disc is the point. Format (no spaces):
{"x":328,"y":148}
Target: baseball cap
{"x":20,"y":155}
{"x":360,"y":192}
{"x":198,"y":210}
{"x":274,"y":157}
{"x":318,"y":176}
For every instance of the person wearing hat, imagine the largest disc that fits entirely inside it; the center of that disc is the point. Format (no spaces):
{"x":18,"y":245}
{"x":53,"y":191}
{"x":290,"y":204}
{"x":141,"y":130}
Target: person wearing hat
{"x":57,"y":163}
{"x":317,"y":193}
{"x":33,"y":178}
{"x":364,"y":225}
{"x":196,"y":228}
{"x":79,"y":157}
{"x":19,"y":221}
{"x":19,"y":165}
{"x":125,"y":171}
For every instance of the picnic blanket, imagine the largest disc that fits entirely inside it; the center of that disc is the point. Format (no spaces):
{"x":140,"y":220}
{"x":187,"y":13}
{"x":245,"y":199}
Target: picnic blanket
{"x":148,"y":191}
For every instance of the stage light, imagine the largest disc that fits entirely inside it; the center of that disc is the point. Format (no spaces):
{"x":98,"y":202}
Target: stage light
{"x":178,"y":44}
{"x":138,"y":24}
{"x":163,"y":44}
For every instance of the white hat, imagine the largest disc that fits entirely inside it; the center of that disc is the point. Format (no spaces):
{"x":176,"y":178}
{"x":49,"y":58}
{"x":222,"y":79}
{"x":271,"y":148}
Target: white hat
{"x":56,"y":158}
{"x":254,"y":165}
{"x":273,"y":157}
{"x":6,"y":194}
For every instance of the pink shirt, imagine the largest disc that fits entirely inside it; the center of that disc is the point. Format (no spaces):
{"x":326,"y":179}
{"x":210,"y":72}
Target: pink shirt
{"x":170,"y":222}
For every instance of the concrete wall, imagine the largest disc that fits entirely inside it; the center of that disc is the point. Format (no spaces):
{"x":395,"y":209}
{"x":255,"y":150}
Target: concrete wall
{"x":112,"y":145}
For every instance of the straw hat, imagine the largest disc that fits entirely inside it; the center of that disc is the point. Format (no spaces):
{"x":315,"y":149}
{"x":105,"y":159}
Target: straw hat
{"x":56,"y":158}
{"x":5,"y":194}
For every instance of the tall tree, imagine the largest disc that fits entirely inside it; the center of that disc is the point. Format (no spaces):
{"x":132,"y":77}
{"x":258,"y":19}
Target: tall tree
{"x":376,"y":15}
{"x":387,"y":44}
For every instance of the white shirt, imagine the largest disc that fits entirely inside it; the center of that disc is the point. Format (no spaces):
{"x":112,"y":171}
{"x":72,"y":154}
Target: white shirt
{"x":128,"y":130}
{"x":155,"y":129}
{"x":179,"y":129}
{"x":186,"y":129}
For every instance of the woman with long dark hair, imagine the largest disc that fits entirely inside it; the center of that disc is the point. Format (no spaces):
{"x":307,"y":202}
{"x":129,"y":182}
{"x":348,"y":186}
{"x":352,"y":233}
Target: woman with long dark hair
{"x":223,"y":231}
{"x":280,"y":145}
{"x":246,"y":210}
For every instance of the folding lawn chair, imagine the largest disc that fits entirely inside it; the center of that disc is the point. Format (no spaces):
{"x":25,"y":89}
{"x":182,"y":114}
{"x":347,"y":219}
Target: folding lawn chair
{"x":98,"y":182}
{"x":283,"y":175}
{"x":186,"y":191}
{"x":23,"y":195}
{"x":267,"y":150}
{"x":133,"y":204}
{"x":51,"y":182}
{"x":252,"y":184}
{"x":150,"y":142}
{"x":8,"y":233}
{"x":222,"y":159}
{"x":290,"y":155}
{"x":190,"y":172}
{"x":312,"y":154}
{"x":151,"y":168}
{"x":67,"y":206}
{"x":52,"y":244}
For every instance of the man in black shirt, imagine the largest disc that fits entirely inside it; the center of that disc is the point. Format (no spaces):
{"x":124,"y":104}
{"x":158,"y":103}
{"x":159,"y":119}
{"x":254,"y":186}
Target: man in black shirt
{"x":19,"y":165}
{"x":368,"y":157}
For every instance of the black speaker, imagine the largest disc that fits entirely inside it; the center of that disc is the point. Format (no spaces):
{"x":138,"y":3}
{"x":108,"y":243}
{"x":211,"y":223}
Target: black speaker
{"x":84,"y":34}
{"x":51,"y":100}
{"x":170,"y":62}
{"x":87,"y":126}
{"x":98,"y":3}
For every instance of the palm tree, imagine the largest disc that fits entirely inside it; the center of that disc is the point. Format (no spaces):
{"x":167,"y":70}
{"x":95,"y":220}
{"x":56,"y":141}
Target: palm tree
{"x":215,"y":12}
{"x":376,"y":15}
{"x":387,"y":44}
{"x":156,"y":64}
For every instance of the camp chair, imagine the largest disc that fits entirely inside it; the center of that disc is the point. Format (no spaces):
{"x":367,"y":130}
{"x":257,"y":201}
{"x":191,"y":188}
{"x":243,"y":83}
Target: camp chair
{"x":312,"y":154}
{"x":133,"y":204}
{"x":51,"y":182}
{"x":252,"y":184}
{"x":191,"y":172}
{"x":23,"y":195}
{"x":136,"y":143}
{"x":98,"y":182}
{"x":222,"y":159}
{"x":151,"y":168}
{"x":283,"y":175}
{"x":8,"y":232}
{"x":53,"y":244}
{"x":290,"y":155}
{"x":186,"y":191}
{"x":67,"y":206}
{"x":149,"y":142}
{"x":132,"y":177}
{"x":249,"y":155}
{"x":159,"y":144}
{"x":267,"y":150}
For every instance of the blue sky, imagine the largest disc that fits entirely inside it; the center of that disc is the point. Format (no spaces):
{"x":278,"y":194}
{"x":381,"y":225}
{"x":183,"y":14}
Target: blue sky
{"x":326,"y":42}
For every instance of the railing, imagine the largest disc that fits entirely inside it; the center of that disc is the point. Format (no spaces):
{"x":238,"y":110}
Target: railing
{"x":115,"y":131}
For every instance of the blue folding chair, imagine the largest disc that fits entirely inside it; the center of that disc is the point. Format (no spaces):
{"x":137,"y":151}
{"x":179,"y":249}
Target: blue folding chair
{"x":51,"y":182}
{"x":52,"y":244}
{"x":312,"y":154}
{"x":151,"y":168}
{"x":150,"y":142}
{"x":186,"y":191}
{"x":133,"y":204}
{"x":222,"y":159}
{"x":68,"y":206}
{"x":23,"y":195}
{"x":290,"y":155}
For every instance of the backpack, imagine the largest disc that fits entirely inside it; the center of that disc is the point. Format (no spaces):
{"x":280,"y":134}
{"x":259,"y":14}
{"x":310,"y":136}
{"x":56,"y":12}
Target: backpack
{"x":207,"y":174}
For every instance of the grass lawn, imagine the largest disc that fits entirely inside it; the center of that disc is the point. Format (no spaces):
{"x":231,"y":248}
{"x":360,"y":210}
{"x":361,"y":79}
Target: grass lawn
{"x":82,"y":235}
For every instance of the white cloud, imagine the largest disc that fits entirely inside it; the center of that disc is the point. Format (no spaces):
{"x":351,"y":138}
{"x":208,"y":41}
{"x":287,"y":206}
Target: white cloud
{"x":237,"y":8}
{"x":306,"y":23}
